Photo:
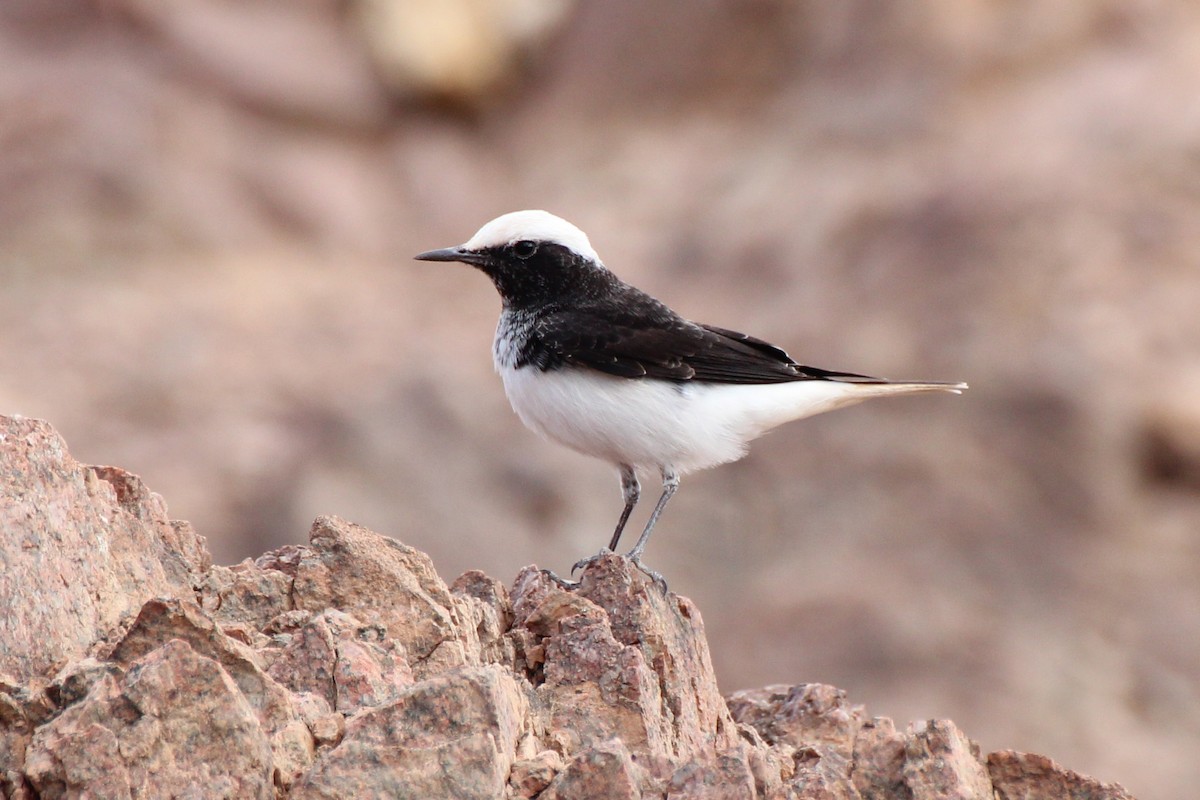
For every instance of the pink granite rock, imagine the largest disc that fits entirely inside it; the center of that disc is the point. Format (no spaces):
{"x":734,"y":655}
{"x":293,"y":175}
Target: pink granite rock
{"x":383,"y":582}
{"x":81,"y":549}
{"x":174,"y":725}
{"x":347,"y":668}
{"x":454,"y":735}
{"x":1026,"y":776}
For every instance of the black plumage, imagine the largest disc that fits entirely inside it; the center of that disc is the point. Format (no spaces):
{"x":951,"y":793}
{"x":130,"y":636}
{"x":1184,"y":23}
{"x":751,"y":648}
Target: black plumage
{"x":619,"y":341}
{"x":579,"y":314}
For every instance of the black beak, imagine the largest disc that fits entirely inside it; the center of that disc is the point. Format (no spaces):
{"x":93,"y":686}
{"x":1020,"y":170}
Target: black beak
{"x":452,"y":254}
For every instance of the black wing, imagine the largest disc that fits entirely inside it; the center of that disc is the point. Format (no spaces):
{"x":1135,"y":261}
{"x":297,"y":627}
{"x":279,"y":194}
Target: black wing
{"x":649,"y":340}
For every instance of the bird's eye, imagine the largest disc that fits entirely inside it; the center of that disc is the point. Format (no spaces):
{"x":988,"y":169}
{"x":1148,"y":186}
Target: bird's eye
{"x":524,"y":249}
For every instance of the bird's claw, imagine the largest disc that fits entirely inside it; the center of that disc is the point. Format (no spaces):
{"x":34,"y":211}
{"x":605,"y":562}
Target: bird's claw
{"x":560,"y":582}
{"x":571,"y":585}
{"x":585,"y":562}
{"x":658,"y":579}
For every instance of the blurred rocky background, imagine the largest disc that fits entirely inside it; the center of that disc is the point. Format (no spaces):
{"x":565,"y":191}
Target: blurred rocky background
{"x":207,"y":214}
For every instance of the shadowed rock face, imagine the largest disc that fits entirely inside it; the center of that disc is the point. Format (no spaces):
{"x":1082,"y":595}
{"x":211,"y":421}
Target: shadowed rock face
{"x":133,"y":667}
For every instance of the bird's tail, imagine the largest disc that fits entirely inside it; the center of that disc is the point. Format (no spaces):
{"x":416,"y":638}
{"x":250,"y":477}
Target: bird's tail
{"x":835,"y":390}
{"x":881,"y":388}
{"x":742,"y":412}
{"x":860,"y":389}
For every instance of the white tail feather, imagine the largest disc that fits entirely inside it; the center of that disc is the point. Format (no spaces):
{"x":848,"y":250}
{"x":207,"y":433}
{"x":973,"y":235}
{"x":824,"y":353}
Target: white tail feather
{"x":883,"y":389}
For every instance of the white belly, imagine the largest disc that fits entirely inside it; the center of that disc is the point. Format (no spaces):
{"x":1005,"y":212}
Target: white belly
{"x":655,"y":424}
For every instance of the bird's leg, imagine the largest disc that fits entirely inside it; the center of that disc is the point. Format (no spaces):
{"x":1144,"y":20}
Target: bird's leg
{"x":670,"y":484}
{"x":631,"y":490}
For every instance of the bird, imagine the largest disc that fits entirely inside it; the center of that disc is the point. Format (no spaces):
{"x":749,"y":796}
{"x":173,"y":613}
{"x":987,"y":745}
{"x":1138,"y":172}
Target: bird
{"x":601,"y":367}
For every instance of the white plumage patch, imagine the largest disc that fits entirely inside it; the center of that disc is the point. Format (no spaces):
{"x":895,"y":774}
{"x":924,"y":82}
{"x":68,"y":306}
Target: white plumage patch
{"x":681,"y":426}
{"x":534,"y":226}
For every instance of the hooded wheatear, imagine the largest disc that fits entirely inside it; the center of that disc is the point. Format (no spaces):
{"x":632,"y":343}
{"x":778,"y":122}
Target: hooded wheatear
{"x":605,"y":369}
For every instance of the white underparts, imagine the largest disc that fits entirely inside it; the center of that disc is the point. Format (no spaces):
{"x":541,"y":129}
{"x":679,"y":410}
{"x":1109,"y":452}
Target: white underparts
{"x":659,"y":424}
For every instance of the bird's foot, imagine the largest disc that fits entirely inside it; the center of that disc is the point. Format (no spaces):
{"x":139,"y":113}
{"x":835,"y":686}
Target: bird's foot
{"x":586,"y":562}
{"x":583,"y":563}
{"x":658,"y":579}
{"x":561,"y":582}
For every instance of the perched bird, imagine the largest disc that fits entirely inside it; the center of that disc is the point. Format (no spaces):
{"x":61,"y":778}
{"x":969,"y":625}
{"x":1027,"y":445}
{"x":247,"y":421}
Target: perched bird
{"x":605,"y":369}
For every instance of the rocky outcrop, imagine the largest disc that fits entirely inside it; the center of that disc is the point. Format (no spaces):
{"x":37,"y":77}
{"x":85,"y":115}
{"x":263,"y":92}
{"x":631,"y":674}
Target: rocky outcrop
{"x":83,"y":548}
{"x":132,"y":667}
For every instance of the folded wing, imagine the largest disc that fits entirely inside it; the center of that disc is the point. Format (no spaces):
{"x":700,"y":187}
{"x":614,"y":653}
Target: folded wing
{"x":663,"y":345}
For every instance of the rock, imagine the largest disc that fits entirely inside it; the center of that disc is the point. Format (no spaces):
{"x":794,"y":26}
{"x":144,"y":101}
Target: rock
{"x":804,"y":715}
{"x":329,"y":729}
{"x":592,"y":687}
{"x":381,"y":581}
{"x":529,"y":776}
{"x":821,"y":774}
{"x":726,"y":777}
{"x":246,"y":594}
{"x":603,"y":772}
{"x":75,"y":680}
{"x":306,"y":663}
{"x":350,"y":665}
{"x":82,"y":548}
{"x":174,"y":725}
{"x":16,"y":730}
{"x":487,"y":608}
{"x":1023,"y":776}
{"x":181,"y":550}
{"x":819,"y":746}
{"x":347,"y":668}
{"x":292,"y":749}
{"x":879,"y":755}
{"x":325,"y":725}
{"x":162,"y":621}
{"x":622,"y":659}
{"x":941,"y":762}
{"x":453,"y":735}
{"x":669,"y":633}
